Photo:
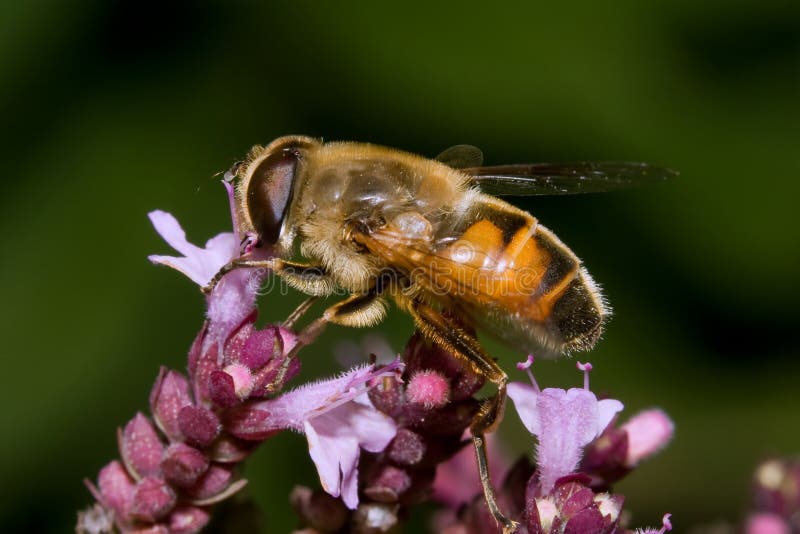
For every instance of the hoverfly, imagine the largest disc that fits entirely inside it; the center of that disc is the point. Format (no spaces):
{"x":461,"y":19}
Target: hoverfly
{"x":385,"y":224}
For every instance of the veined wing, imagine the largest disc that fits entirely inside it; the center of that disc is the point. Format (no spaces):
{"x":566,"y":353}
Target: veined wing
{"x":565,"y":178}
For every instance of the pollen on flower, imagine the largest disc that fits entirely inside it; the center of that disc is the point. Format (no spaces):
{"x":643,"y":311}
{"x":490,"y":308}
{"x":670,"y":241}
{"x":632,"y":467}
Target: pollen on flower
{"x":428,"y":388}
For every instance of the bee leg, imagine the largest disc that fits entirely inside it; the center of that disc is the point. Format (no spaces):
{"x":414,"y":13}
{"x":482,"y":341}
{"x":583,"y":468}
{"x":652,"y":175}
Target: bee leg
{"x":463,"y":345}
{"x":356,"y":310}
{"x":306,"y":278}
{"x":238,"y":263}
{"x":298,"y":312}
{"x":310,"y":279}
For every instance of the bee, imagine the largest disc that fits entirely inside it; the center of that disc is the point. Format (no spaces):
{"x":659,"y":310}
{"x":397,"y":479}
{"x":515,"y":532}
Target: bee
{"x":383,"y":224}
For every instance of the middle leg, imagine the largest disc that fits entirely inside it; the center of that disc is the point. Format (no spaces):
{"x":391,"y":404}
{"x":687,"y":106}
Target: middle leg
{"x":446,"y":333}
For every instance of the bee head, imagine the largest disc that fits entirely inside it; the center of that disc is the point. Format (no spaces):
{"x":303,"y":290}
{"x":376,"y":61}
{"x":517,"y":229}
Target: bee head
{"x":265,"y":182}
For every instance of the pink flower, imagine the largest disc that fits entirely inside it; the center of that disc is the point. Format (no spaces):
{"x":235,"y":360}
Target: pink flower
{"x":233,"y":299}
{"x":766,"y":523}
{"x":649,"y":431}
{"x":338,"y":420}
{"x":457,"y":481}
{"x":564,"y":421}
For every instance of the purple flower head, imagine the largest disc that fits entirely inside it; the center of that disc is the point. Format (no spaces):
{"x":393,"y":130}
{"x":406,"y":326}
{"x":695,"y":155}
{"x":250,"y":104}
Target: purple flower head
{"x":233,"y":299}
{"x":564,"y":421}
{"x":338,"y":420}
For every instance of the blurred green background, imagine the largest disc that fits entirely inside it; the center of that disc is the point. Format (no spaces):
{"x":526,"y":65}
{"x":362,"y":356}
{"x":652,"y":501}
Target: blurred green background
{"x":113,"y":108}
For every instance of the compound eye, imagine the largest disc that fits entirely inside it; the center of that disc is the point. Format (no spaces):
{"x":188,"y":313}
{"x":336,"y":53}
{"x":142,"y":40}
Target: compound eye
{"x":269,"y":191}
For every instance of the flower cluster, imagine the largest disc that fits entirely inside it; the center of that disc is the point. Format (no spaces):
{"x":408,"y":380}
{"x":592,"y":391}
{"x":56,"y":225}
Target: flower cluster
{"x":383,"y":438}
{"x":178,"y":463}
{"x":431,"y":406}
{"x":579,"y":453}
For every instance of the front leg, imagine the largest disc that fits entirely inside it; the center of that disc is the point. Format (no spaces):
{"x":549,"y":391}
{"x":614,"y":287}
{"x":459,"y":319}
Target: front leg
{"x":307,"y":278}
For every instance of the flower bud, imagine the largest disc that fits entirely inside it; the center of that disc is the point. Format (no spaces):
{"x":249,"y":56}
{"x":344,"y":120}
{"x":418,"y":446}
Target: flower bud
{"x":183,"y":465}
{"x":188,"y":520}
{"x":407,"y":447}
{"x":199,"y":425}
{"x":116,"y":488}
{"x":428,"y":388}
{"x":140,"y":447}
{"x":170,"y":393}
{"x":153,"y":499}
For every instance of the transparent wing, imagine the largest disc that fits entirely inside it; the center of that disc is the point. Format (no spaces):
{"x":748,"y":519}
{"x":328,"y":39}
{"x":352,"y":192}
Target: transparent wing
{"x":460,"y":156}
{"x":565,"y":178}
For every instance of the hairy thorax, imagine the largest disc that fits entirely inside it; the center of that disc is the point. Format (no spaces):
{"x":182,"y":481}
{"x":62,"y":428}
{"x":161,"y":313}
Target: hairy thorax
{"x":369,"y":191}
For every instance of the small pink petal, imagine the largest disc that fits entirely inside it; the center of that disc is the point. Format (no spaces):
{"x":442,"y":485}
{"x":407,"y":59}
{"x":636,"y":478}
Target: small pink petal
{"x":564,"y":422}
{"x":200,"y":265}
{"x":242,"y":379}
{"x":648,"y":432}
{"x":607,"y":409}
{"x":525,"y":399}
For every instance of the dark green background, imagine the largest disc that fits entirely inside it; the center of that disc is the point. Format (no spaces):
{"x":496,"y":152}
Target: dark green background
{"x":112,"y":109}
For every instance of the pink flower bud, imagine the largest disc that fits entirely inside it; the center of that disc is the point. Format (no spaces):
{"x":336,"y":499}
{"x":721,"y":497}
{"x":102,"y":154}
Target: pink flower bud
{"x":407,"y":447}
{"x":183,"y":465}
{"x":206,"y":364}
{"x":428,"y":388}
{"x":766,"y":523}
{"x":221,"y":389}
{"x":260,"y":347}
{"x":199,"y":425}
{"x":153,"y":499}
{"x":116,"y":488}
{"x":228,"y":449}
{"x":648,"y":432}
{"x":170,"y":394}
{"x":140,"y":447}
{"x":188,"y":520}
{"x":216,"y":479}
{"x":388,"y":485}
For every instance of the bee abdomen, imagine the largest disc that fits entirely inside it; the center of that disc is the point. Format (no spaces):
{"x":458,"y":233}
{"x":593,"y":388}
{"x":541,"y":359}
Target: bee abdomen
{"x":566,"y":301}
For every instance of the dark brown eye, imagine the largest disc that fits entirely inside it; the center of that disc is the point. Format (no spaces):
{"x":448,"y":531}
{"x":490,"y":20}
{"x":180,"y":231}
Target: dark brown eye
{"x":269,"y":192}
